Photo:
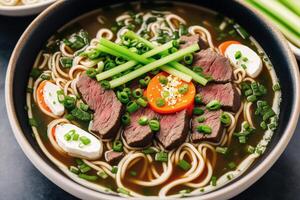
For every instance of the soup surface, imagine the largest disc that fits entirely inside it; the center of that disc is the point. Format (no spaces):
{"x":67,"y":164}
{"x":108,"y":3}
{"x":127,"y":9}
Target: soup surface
{"x":172,"y":101}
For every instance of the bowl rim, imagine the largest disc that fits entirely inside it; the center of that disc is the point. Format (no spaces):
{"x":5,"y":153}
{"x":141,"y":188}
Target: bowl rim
{"x":26,"y":7}
{"x":85,"y":193}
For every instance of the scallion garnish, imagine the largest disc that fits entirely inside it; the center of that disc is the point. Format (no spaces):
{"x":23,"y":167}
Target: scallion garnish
{"x":213,"y":105}
{"x":88,"y":177}
{"x":184,"y":165}
{"x":117,"y":146}
{"x":222,"y":150}
{"x":143,"y":121}
{"x":205,"y":129}
{"x":161,"y":156}
{"x":154,"y":125}
{"x":160,"y":102}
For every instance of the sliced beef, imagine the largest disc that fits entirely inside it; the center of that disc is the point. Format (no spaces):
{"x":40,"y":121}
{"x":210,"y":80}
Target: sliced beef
{"x":212,"y":119}
{"x":107,"y":108}
{"x":137,"y":135}
{"x":173,"y":129}
{"x":214,"y":65}
{"x":113,"y":157}
{"x":189,"y":40}
{"x":226,"y":94}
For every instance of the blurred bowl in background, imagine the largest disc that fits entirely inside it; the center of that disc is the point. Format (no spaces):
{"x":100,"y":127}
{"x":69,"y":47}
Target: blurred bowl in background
{"x":25,"y":9}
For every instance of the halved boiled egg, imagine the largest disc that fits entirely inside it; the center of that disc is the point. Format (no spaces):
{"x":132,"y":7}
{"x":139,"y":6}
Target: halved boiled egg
{"x":77,"y":142}
{"x":47,"y":98}
{"x":242,"y":56}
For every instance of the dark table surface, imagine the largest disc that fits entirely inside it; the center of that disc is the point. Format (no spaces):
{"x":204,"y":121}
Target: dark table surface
{"x":19,"y":179}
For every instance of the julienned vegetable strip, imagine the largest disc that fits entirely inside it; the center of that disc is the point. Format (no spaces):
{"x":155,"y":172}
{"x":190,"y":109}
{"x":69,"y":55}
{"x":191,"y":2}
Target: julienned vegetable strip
{"x":153,"y":65}
{"x":129,"y":64}
{"x":291,"y":35}
{"x":174,"y":64}
{"x":294,"y":5}
{"x":281,"y":13}
{"x":140,"y":58}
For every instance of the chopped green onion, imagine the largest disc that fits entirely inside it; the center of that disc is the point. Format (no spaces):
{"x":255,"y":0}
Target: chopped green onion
{"x":105,"y":84}
{"x":81,"y":115}
{"x":222,"y":150}
{"x":143,"y":121}
{"x":185,"y":191}
{"x":119,"y":60}
{"x":149,"y":150}
{"x":117,"y":146}
{"x":225,"y":119}
{"x":213,"y":105}
{"x":114,"y":169}
{"x":125,"y":119}
{"x":79,"y":161}
{"x":91,"y":72}
{"x":242,"y":139}
{"x":84,"y":168}
{"x":238,"y":55}
{"x":161,"y":156}
{"x":163,"y":79}
{"x":251,"y":98}
{"x":33,"y":122}
{"x":165,"y":94}
{"x":85,"y":140}
{"x":69,"y":102}
{"x":201,"y":119}
{"x":263,"y":125}
{"x":75,"y":137}
{"x":198,"y":111}
{"x":183,"y":89}
{"x":74,"y":169}
{"x":198,"y":99}
{"x":160,"y":102}
{"x":123,"y":191}
{"x":127,"y":90}
{"x":35,"y":73}
{"x":188,"y":59}
{"x":102,"y":174}
{"x":133,"y":173}
{"x":123,"y":97}
{"x":132,"y":106}
{"x":154,"y":125}
{"x":88,"y":177}
{"x":145,"y":81}
{"x":184,"y":165}
{"x":142,"y":102}
{"x":67,"y":137}
{"x":276,"y":87}
{"x":205,"y":129}
{"x":66,"y":62}
{"x":270,"y":113}
{"x":83,"y":106}
{"x":213,"y":181}
{"x":137,"y":93}
{"x":231,"y":165}
{"x":244,"y":66}
{"x":250,"y":149}
{"x":45,"y":77}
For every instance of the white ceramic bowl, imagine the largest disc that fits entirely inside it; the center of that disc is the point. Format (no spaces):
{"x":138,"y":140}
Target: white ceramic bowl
{"x":23,"y":10}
